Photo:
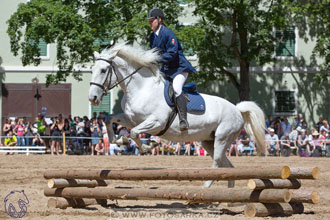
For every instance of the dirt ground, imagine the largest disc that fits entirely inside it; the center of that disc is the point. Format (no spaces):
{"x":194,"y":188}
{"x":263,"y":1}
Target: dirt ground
{"x":21,"y":172}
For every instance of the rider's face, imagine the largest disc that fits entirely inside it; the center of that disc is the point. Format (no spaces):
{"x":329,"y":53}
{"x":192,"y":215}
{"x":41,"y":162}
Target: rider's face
{"x":153,"y":24}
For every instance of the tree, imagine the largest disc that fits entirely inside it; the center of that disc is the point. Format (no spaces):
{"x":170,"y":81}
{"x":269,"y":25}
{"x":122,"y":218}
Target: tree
{"x":74,"y":25}
{"x":241,"y":33}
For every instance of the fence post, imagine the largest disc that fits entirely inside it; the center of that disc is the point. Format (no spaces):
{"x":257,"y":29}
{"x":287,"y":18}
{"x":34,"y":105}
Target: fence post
{"x":64,"y":145}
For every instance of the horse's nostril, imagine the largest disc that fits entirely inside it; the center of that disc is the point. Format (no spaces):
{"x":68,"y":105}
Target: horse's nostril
{"x":95,"y":97}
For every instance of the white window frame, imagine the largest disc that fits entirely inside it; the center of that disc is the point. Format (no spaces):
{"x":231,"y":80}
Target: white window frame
{"x":295,"y":91}
{"x":295,"y":46}
{"x":47,"y":57}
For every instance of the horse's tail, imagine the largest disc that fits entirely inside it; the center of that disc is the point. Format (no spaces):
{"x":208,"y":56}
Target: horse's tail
{"x":254,"y":123}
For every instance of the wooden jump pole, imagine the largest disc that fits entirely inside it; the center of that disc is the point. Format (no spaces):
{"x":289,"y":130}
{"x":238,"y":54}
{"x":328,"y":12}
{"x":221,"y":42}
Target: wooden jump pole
{"x":192,"y":194}
{"x":267,"y":209}
{"x":256,"y":184}
{"x":305,"y":196}
{"x":280,"y":172}
{"x":61,"y":183}
{"x":63,"y":203}
{"x":305,"y":172}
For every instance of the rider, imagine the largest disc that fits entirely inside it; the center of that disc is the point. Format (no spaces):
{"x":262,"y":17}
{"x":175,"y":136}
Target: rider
{"x":175,"y":65}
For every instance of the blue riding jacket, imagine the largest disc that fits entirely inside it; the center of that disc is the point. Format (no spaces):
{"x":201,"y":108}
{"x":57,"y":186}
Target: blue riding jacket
{"x":172,"y":58}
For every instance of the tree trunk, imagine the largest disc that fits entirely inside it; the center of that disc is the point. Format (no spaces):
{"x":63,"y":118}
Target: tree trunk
{"x":244,"y":88}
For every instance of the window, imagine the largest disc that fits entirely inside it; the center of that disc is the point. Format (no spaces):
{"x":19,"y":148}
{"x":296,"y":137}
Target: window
{"x":286,"y":43}
{"x":285,"y":102}
{"x":105,"y":106}
{"x":43,"y":49}
{"x":183,"y":3}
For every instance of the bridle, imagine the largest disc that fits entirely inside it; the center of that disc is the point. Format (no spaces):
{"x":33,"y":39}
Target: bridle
{"x":109,"y":73}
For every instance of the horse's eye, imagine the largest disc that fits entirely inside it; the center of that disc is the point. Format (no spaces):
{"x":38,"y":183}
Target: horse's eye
{"x":103,"y":70}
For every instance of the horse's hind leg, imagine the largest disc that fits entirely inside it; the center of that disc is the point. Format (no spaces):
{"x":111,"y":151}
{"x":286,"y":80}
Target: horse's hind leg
{"x":209,"y":147}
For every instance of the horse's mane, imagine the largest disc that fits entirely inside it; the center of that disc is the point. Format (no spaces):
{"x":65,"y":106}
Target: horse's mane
{"x":137,"y":55}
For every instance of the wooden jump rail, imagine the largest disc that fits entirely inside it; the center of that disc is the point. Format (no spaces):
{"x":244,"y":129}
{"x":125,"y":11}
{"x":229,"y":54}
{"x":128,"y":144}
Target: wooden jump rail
{"x":172,"y":174}
{"x":271,"y":190}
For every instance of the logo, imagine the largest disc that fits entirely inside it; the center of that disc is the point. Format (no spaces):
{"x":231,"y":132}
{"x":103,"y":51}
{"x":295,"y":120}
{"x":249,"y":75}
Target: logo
{"x":15,"y":204}
{"x":202,"y":107}
{"x":173,"y":41}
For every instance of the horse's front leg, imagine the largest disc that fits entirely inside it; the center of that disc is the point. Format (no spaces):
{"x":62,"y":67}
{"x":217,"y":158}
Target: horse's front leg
{"x":150,"y":125}
{"x":119,"y":119}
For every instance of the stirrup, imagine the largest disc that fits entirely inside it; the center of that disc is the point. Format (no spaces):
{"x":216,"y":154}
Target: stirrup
{"x":183,"y":125}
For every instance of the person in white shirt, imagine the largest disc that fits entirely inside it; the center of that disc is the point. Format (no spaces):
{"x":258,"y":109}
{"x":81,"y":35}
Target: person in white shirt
{"x":272,"y":144}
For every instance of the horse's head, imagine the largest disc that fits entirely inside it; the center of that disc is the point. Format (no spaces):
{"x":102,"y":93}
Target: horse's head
{"x":103,"y":77}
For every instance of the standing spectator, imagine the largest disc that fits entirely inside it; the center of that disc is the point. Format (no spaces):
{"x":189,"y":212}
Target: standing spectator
{"x":298,"y":121}
{"x":293,"y":136}
{"x":105,"y":139}
{"x":286,"y":126}
{"x":99,"y":148}
{"x":87,"y":133}
{"x":268,"y":121}
{"x":56,"y":133}
{"x":41,"y":125}
{"x":278,"y":127}
{"x":80,"y":126}
{"x":10,"y":140}
{"x":6,"y":127}
{"x":28,"y":134}
{"x":319,"y":124}
{"x":303,"y":144}
{"x":95,"y":130}
{"x":272,"y":144}
{"x":19,"y":130}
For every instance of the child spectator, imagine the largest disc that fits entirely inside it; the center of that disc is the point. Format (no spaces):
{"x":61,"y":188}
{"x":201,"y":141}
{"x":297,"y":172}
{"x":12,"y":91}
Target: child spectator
{"x":99,"y":148}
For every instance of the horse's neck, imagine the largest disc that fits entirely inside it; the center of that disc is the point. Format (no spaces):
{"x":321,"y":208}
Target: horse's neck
{"x":142,"y":83}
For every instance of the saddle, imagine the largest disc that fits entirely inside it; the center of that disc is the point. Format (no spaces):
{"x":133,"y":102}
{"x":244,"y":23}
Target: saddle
{"x":195,"y":103}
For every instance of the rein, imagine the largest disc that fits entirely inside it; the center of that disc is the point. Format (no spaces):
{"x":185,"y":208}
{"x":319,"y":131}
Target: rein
{"x":106,"y":89}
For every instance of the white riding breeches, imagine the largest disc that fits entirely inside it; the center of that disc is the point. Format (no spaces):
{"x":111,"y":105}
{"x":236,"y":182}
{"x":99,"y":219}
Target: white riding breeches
{"x":178,"y":83}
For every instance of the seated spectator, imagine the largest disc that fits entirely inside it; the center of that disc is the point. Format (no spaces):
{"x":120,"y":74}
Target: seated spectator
{"x":325,"y":126}
{"x":243,"y":140}
{"x":327,"y":144}
{"x":178,"y":147}
{"x":37,"y":140}
{"x":75,"y":146}
{"x":316,"y":144}
{"x":199,"y":150}
{"x":272,"y":144}
{"x":10,"y":140}
{"x":303,"y":144}
{"x":99,"y":148}
{"x":187,"y":146}
{"x":233,"y":146}
{"x":155,"y":145}
{"x":166,"y":146}
{"x":293,"y":136}
{"x":114,"y":149}
{"x":285,"y":145}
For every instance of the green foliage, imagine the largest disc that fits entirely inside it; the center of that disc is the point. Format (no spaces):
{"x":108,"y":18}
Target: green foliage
{"x":74,"y":25}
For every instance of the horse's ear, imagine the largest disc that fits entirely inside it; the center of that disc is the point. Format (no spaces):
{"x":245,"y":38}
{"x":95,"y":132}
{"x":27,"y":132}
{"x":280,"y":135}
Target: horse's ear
{"x":96,"y":55}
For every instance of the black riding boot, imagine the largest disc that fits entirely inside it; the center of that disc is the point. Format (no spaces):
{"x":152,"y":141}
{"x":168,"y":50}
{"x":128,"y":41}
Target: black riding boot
{"x":181,"y":104}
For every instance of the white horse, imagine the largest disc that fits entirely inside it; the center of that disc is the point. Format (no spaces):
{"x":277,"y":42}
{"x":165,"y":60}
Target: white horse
{"x":145,"y":110}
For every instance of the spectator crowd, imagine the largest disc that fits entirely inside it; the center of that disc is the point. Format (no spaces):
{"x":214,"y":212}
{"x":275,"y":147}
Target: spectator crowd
{"x":90,"y":136}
